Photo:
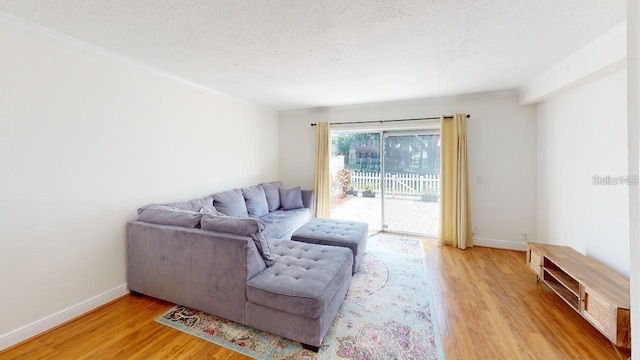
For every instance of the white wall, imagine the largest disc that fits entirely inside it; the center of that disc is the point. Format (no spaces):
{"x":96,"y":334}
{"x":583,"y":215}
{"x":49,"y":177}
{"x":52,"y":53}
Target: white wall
{"x":633,"y":106}
{"x":502,"y":150}
{"x":583,"y":133}
{"x":85,"y":140}
{"x":599,"y":58}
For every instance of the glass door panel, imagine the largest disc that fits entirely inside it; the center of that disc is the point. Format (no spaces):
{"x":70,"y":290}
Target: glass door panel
{"x":411,"y":182}
{"x":355,"y":178}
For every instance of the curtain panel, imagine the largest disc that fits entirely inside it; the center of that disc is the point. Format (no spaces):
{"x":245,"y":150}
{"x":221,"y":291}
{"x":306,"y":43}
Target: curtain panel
{"x":322,"y":178}
{"x":455,"y":218}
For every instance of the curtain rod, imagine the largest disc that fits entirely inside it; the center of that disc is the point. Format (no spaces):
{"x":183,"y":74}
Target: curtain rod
{"x":385,"y":121}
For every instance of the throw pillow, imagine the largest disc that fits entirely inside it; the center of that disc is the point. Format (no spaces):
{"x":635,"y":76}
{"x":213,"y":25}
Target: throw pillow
{"x":256,"y":201}
{"x":167,"y":215}
{"x":230,"y":202}
{"x":272,"y":192}
{"x":263,"y":247}
{"x":242,"y":226}
{"x":291,"y":198}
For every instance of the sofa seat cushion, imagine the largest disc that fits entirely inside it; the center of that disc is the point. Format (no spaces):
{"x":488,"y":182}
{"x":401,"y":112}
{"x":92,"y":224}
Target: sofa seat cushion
{"x":303,"y":279}
{"x":281,"y":224}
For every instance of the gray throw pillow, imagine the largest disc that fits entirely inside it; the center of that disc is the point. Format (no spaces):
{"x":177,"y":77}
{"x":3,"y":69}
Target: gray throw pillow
{"x":291,"y":198}
{"x":263,"y":247}
{"x":242,"y":226}
{"x":230,"y":202}
{"x":272,"y":192}
{"x":256,"y":201}
{"x":167,"y":215}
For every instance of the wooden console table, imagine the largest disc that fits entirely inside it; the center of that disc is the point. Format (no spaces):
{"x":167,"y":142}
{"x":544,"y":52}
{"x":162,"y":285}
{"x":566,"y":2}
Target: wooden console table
{"x":596,"y":292}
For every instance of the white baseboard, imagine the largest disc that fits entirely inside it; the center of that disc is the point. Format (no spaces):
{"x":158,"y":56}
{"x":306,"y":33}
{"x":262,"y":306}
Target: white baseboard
{"x":49,"y":322}
{"x":500,"y":244}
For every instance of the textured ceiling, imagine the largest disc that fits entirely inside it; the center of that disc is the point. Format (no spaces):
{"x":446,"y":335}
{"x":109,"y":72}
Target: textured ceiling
{"x":298,"y":54}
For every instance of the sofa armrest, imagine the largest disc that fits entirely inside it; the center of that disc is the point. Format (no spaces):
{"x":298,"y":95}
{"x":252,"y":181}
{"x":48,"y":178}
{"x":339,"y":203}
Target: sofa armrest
{"x":308,"y":199}
{"x":200,"y":269}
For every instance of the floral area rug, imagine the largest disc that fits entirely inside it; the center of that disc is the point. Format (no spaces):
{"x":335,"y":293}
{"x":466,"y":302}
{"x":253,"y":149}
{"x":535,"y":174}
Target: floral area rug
{"x":387,"y":314}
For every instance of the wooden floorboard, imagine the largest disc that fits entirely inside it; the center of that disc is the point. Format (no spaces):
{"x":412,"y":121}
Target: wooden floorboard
{"x":487,"y":302}
{"x":490,"y":306}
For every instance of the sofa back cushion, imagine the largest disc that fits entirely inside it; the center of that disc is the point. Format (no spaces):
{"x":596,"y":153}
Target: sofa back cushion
{"x":272,"y":192}
{"x":167,"y":215}
{"x":256,"y":201}
{"x":230,"y":202}
{"x":205,"y":203}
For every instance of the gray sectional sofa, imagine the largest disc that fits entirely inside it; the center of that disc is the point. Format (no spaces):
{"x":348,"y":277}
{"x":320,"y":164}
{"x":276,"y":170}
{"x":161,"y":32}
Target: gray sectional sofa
{"x":261,"y":202}
{"x":234,"y":259}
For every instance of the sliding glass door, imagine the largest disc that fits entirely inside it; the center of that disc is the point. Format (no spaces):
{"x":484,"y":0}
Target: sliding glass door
{"x":398,"y":191}
{"x":411,"y":182}
{"x":355,"y":178}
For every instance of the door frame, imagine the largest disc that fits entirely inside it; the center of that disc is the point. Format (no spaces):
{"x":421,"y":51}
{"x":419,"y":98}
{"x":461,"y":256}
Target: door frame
{"x":384,"y":132}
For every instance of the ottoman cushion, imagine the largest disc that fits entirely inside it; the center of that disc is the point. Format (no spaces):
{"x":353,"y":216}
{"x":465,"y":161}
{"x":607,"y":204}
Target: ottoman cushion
{"x":350,"y":234}
{"x":303,"y":279}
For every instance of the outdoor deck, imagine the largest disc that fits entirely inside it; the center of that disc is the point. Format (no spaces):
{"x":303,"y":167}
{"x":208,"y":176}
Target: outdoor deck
{"x":402,"y":215}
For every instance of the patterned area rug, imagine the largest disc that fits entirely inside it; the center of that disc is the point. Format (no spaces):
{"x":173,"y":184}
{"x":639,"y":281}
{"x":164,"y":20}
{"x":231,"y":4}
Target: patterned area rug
{"x":387,"y":314}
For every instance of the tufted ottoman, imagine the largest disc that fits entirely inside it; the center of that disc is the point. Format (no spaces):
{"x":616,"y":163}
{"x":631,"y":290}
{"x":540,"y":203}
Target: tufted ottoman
{"x":300,"y":294}
{"x":349,"y":234}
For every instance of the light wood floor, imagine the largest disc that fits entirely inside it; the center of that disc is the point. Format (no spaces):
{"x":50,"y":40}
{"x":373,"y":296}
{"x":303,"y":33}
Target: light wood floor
{"x":488,"y":305}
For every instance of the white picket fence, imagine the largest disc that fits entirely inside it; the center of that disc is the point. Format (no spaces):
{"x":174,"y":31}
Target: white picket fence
{"x":400,"y":185}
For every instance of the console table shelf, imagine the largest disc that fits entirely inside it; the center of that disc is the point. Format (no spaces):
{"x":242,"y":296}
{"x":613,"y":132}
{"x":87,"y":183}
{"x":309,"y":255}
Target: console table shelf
{"x":565,"y":280}
{"x":596,"y":292}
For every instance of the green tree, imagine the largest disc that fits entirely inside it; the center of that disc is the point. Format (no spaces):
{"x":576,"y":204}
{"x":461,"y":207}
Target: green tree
{"x":342,"y":143}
